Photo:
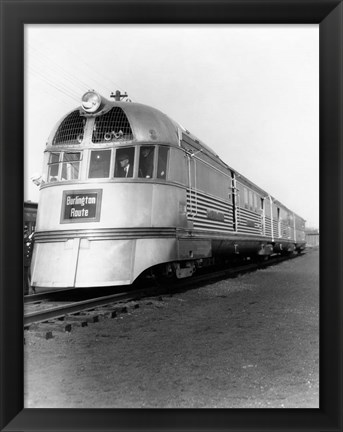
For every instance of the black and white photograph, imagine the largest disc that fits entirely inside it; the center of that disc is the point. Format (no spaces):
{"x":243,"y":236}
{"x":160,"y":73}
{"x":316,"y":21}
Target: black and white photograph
{"x":171,"y":209}
{"x":170,"y":218}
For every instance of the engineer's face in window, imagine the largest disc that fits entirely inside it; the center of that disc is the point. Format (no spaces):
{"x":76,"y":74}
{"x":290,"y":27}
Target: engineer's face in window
{"x":124,"y":163}
{"x":145,"y":152}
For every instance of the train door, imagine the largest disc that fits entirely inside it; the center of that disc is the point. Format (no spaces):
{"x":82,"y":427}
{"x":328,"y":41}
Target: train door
{"x":278,"y":222}
{"x":234,"y":201}
{"x":263,"y":218}
{"x":192,"y":199}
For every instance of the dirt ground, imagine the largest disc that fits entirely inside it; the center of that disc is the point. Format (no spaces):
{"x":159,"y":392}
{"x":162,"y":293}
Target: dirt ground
{"x":249,"y":342}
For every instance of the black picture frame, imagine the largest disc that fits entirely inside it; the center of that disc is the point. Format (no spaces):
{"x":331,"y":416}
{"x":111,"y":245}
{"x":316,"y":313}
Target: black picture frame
{"x":14,"y":15}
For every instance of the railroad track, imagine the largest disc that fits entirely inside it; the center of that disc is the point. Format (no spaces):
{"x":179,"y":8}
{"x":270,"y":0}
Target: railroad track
{"x":69,"y":310}
{"x":49,"y":313}
{"x":44,"y":296}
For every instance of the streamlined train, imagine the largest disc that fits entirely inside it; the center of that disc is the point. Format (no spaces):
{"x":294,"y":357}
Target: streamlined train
{"x":127,"y":190}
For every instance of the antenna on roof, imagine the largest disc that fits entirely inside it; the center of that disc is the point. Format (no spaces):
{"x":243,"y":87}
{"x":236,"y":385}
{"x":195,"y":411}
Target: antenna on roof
{"x":118,"y":96}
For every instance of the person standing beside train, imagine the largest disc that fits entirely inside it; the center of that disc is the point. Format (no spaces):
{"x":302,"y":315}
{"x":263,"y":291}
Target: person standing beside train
{"x":28,"y":247}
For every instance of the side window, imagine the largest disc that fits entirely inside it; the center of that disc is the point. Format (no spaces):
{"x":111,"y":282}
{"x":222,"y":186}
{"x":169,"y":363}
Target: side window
{"x":178,"y":170}
{"x":71,"y":166}
{"x":275,"y":213}
{"x":124,"y":162}
{"x":162,"y":162}
{"x":267,"y":207}
{"x":250,"y":200}
{"x":146,"y":162}
{"x":246,"y":204}
{"x":53,"y":167}
{"x":99,"y":166}
{"x":255,"y":202}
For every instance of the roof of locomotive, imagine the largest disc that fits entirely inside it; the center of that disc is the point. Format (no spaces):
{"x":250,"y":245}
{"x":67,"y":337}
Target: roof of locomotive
{"x":150,"y":125}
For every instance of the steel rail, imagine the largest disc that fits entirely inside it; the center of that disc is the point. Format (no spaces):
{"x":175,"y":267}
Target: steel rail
{"x":32,"y":298}
{"x":62,"y":311}
{"x":188,"y":283}
{"x":230,"y":272}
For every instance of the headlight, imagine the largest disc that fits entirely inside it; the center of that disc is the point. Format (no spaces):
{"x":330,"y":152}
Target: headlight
{"x":91,"y":101}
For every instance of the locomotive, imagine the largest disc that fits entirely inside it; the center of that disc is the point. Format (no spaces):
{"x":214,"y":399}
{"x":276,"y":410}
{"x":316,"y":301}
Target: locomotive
{"x":127,"y":190}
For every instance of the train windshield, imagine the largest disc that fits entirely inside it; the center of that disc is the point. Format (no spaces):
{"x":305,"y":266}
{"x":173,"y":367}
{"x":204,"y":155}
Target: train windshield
{"x":99,"y":166}
{"x":152,"y":162}
{"x":53,"y":167}
{"x":71,"y":166}
{"x":162,"y":162}
{"x":146,"y":162}
{"x":64,"y":166}
{"x":124,"y":162}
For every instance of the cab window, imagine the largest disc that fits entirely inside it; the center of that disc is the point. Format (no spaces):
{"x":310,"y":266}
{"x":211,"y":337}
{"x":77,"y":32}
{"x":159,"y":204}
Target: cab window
{"x":53,"y":167}
{"x":250,"y":200}
{"x":255,"y":202}
{"x":162,"y":162}
{"x":124,"y":163}
{"x":70,"y":162}
{"x":99,"y":166}
{"x":146,"y":162}
{"x":246,"y":199}
{"x":71,"y":166}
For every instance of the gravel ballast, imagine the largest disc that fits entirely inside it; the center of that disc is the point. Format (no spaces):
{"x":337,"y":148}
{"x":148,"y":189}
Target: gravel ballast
{"x":248,"y":342}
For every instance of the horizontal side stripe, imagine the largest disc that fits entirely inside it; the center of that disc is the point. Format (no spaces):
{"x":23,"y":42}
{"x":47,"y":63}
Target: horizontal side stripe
{"x":104,"y":233}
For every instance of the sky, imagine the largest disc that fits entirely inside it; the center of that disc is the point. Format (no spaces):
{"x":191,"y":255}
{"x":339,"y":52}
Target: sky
{"x":250,"y":92}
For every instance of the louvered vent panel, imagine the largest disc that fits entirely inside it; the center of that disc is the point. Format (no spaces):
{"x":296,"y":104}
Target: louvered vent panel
{"x":112,"y":126}
{"x":70,"y":130}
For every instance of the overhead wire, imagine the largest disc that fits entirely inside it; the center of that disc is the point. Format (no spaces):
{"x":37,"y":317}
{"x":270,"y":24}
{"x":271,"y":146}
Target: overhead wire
{"x":110,"y":82}
{"x":76,"y":80}
{"x":56,"y":85}
{"x":56,"y":67}
{"x":99,"y":79}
